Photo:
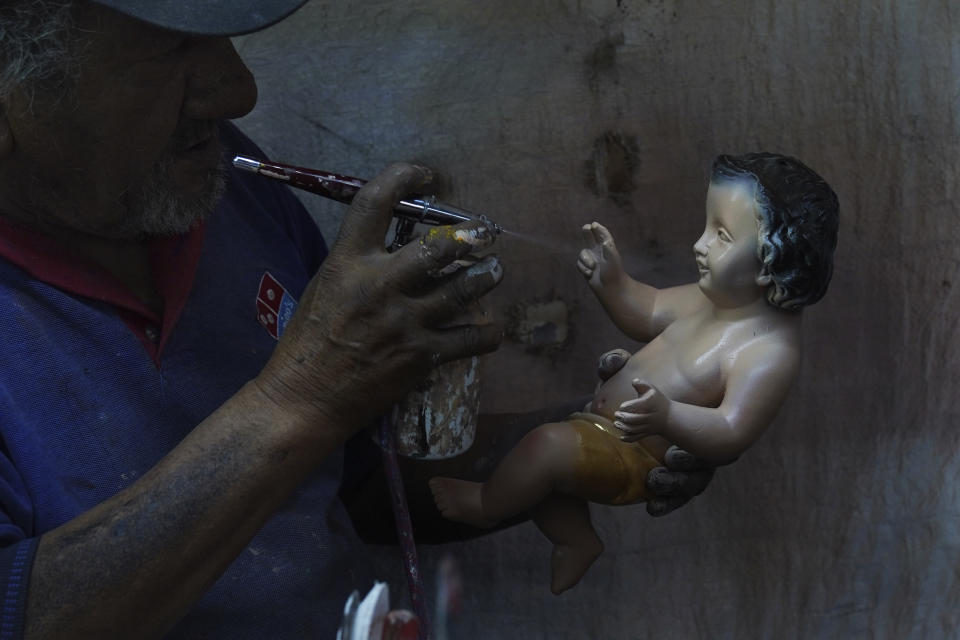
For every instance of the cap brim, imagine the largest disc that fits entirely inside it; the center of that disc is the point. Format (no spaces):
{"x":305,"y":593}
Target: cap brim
{"x":207,"y":17}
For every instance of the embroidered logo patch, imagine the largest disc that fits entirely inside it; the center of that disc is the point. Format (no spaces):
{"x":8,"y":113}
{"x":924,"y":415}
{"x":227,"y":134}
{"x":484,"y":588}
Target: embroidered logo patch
{"x":275,"y":306}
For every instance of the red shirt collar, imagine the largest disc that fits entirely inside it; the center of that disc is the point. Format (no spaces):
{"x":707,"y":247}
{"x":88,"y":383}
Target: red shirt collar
{"x":173,"y":260}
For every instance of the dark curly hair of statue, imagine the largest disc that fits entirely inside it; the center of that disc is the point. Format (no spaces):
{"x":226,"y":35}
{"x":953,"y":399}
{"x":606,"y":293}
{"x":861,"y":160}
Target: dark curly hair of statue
{"x":797,"y":219}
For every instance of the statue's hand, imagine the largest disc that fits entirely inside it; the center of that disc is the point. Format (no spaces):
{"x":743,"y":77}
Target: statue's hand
{"x":599,"y":261}
{"x":645,"y":415}
{"x":682,"y":478}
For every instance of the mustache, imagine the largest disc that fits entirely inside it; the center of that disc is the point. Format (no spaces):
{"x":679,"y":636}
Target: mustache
{"x":191,"y":132}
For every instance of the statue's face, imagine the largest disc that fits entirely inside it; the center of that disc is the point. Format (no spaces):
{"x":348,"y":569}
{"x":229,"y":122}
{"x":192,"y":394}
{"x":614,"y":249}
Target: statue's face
{"x":726,"y":253}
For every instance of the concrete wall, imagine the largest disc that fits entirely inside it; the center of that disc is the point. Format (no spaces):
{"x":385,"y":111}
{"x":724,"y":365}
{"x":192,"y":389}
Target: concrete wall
{"x":844,"y":521}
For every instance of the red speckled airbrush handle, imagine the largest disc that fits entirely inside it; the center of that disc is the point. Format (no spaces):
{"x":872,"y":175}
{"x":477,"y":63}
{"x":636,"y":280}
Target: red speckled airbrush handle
{"x":417,"y":209}
{"x":329,"y":185}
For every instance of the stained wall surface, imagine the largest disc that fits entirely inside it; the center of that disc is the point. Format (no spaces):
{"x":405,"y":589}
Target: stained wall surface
{"x":844,"y":520}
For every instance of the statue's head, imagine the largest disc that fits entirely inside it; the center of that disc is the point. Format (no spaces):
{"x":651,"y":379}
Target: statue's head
{"x":796,"y":220}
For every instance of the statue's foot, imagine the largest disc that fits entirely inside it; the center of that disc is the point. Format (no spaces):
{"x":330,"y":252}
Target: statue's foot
{"x":461,"y":501}
{"x":570,"y":562}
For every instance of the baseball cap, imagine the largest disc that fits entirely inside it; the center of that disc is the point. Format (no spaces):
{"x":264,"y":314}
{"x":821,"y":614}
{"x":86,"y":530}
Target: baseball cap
{"x":207,"y":17}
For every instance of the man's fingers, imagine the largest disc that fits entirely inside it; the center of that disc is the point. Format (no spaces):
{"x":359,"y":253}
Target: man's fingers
{"x":673,"y":487}
{"x":365,"y":224}
{"x":677,"y":459}
{"x":662,"y":506}
{"x":665,"y":483}
{"x":458,"y":293}
{"x":427,"y":257}
{"x":460,"y":342}
{"x":611,"y":362}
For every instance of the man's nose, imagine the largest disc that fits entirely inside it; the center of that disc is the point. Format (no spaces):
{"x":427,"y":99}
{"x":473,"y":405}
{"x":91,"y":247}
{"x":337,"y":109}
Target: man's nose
{"x":219,"y":84}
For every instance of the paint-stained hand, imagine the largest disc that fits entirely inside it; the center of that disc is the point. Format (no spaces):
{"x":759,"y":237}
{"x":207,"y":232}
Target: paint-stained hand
{"x":371,"y":323}
{"x":645,"y":415}
{"x":611,"y":362}
{"x":599,"y":261}
{"x":681,"y":479}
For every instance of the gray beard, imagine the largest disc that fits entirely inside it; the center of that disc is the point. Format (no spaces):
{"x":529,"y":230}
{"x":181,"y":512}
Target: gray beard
{"x":156,"y":209}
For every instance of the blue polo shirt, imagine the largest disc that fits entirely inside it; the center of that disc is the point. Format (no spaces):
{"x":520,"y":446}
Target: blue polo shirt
{"x":95,"y":388}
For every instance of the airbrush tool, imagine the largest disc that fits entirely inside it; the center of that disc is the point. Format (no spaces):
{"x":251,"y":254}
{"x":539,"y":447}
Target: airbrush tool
{"x":409,"y":211}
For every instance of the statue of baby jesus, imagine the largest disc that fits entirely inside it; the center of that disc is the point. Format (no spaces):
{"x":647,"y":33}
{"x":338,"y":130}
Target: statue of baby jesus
{"x":720,"y":357}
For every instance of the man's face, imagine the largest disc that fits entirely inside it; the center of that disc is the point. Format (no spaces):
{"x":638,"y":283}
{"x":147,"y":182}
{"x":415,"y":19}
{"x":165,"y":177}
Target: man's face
{"x":726,"y":253}
{"x":131,"y":147}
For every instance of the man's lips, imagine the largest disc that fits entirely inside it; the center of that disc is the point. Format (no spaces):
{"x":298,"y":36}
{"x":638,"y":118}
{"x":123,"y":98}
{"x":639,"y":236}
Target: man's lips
{"x":204,"y":150}
{"x":193,"y":165}
{"x":194,"y":137}
{"x":198,"y":145}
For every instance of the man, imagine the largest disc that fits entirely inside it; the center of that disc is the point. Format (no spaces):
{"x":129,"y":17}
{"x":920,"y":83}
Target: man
{"x":172,"y":450}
